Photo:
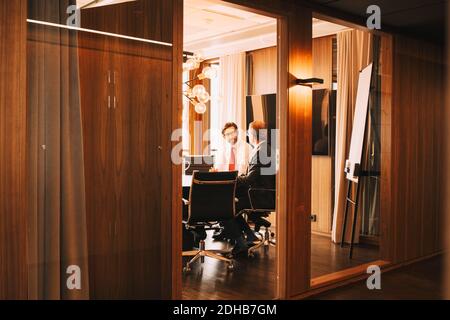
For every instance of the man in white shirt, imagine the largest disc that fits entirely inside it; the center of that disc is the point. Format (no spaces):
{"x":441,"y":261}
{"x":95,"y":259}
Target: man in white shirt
{"x":234,"y":156}
{"x":258,"y":176}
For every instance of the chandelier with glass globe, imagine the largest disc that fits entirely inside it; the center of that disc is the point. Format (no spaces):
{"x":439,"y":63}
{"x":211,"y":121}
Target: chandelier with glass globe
{"x":197,"y":94}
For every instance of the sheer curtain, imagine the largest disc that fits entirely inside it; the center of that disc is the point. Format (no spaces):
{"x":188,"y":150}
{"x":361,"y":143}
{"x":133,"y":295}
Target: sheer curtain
{"x":57,"y":235}
{"x":354,"y":54}
{"x":233,"y":90}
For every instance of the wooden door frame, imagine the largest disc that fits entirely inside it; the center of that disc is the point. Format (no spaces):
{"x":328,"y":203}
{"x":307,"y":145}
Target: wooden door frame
{"x":294,"y":120}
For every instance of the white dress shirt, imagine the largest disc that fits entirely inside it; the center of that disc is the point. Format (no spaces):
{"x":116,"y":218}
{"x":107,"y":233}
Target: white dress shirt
{"x":241,"y":152}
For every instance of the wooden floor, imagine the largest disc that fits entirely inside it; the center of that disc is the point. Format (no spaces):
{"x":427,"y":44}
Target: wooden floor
{"x":328,"y":257}
{"x":422,"y":281}
{"x":252,"y":278}
{"x":255,"y":278}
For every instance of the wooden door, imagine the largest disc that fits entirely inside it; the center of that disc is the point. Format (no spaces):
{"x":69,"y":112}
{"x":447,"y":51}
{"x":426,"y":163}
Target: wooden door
{"x":135,"y":187}
{"x":96,"y":91}
{"x":140,"y":101}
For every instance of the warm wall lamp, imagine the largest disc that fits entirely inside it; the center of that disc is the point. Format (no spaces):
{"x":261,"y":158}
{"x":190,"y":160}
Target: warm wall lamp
{"x":309,"y":82}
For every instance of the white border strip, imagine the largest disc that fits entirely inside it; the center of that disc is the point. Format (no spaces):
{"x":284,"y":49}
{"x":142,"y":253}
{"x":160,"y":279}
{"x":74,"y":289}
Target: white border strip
{"x":44,"y":23}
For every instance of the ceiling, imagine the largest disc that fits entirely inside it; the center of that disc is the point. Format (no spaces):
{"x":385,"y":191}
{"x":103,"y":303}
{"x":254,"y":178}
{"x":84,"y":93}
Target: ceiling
{"x":214,"y":29}
{"x":421,"y":18}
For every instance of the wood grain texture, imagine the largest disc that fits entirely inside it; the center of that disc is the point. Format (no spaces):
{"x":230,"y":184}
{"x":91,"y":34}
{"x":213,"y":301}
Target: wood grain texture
{"x":413,"y":179}
{"x":175,"y":220}
{"x":128,"y":122}
{"x":256,"y":278}
{"x":321,"y":194}
{"x":282,"y":120}
{"x":345,"y":274}
{"x":97,"y":132}
{"x":294,"y":178}
{"x":146,"y":19}
{"x":124,"y":172}
{"x":419,"y":281}
{"x":264,"y":73}
{"x":387,"y":222}
{"x":446,"y":160}
{"x":322,"y":50}
{"x":299,"y":132}
{"x":13,"y":215}
{"x":322,"y":166}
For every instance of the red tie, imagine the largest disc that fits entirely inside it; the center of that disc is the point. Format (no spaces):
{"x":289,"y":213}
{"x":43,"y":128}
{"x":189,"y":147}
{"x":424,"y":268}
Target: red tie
{"x":232,"y":163}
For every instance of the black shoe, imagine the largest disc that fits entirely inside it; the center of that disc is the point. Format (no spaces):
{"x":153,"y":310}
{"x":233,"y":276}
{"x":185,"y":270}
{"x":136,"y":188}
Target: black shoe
{"x":251,"y":237}
{"x":220,"y":236}
{"x":239,"y":250}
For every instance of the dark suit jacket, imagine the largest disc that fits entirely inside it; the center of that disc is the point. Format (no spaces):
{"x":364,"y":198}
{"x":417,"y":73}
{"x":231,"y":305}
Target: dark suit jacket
{"x":254,"y":178}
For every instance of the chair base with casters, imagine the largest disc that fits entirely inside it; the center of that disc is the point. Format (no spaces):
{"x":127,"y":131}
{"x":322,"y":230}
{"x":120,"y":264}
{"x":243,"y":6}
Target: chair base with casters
{"x":201,"y":253}
{"x":211,"y":201}
{"x":267,"y":241}
{"x":268,"y":238}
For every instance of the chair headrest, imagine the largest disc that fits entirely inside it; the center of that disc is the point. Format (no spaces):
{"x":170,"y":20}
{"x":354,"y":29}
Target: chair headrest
{"x":214,"y":176}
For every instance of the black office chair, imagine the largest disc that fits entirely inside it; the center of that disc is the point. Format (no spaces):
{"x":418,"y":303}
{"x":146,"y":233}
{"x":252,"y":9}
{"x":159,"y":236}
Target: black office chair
{"x":263,"y":203}
{"x":197,"y":163}
{"x":211,"y":200}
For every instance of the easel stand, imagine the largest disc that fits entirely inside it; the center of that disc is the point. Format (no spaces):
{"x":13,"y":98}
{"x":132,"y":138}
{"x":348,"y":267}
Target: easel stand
{"x":355,"y":203}
{"x":354,"y":167}
{"x":349,"y":202}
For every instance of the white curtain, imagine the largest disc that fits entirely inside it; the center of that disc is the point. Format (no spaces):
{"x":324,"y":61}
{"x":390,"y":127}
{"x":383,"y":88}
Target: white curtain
{"x":232,"y":90}
{"x":354,"y":52}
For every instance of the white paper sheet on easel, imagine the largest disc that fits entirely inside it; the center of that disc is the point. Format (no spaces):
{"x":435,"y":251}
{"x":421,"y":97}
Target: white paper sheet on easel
{"x":359,"y":124}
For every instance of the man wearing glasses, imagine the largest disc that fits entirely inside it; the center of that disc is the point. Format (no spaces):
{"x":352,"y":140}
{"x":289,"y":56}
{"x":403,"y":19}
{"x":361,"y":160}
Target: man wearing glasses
{"x":257,"y":175}
{"x":235,"y":154}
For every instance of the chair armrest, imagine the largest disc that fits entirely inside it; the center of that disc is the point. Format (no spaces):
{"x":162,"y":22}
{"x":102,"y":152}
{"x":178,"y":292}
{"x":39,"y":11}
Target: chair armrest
{"x":185,"y":202}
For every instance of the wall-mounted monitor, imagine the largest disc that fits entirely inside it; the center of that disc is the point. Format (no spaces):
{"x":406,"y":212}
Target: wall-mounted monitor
{"x":262,"y":107}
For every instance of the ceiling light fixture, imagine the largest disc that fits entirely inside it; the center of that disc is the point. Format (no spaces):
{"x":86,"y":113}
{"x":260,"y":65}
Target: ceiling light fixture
{"x":197,"y":94}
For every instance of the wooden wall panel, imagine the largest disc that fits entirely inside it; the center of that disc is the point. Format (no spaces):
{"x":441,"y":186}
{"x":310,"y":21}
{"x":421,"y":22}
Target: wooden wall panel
{"x":146,"y":19}
{"x":322,"y":50}
{"x":387,"y":221}
{"x":446,"y":160}
{"x":321,"y":194}
{"x":13,"y":219}
{"x":264,"y":79}
{"x":299,"y":144}
{"x":322,"y":166}
{"x":172,"y":224}
{"x":415,"y":173}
